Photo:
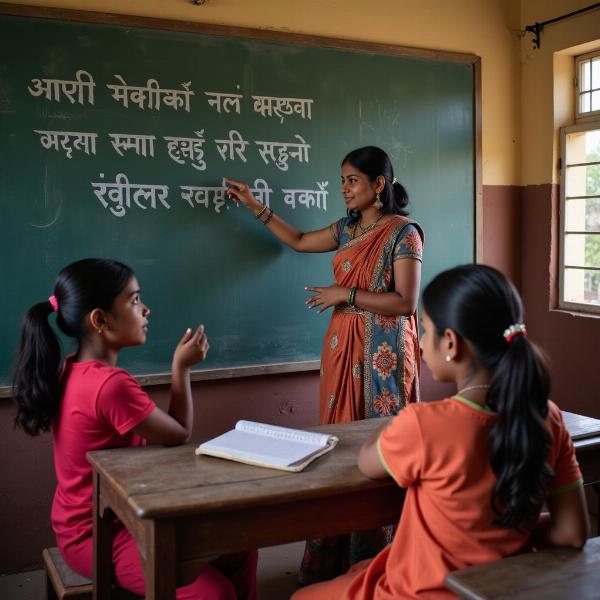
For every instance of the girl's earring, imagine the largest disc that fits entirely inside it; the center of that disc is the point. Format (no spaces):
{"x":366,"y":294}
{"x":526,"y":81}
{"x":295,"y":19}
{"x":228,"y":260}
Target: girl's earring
{"x":378,"y":204}
{"x":448,"y":358}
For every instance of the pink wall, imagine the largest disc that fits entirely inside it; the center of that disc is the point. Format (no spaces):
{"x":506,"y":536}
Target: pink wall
{"x":571,"y":342}
{"x":501,"y":229}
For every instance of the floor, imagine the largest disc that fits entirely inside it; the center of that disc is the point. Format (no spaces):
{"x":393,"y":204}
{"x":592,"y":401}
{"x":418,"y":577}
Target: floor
{"x":277,"y":569}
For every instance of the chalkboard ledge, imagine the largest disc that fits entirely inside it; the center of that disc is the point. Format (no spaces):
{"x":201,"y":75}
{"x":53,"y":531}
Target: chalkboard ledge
{"x":233,"y":372}
{"x":211,"y":374}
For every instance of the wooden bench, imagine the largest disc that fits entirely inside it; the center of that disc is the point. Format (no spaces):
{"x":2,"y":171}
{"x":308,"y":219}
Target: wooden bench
{"x":551,"y":574}
{"x":63,"y":583}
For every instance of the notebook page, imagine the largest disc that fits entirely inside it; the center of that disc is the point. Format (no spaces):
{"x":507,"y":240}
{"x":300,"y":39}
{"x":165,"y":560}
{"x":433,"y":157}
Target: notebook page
{"x":284,"y":433}
{"x":261,"y":448}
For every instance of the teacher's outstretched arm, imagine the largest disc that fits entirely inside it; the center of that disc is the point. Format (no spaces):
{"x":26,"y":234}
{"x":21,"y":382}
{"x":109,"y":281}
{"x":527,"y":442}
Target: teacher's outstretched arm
{"x":320,"y":240}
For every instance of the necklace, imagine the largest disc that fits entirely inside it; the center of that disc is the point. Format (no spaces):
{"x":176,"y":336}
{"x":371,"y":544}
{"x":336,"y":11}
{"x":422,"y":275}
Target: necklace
{"x":369,"y":227}
{"x":482,"y":386}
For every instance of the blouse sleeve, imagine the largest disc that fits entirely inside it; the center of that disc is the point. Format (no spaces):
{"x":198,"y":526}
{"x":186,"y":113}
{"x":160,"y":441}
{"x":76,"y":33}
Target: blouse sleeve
{"x":122,"y":403}
{"x":336,"y":230}
{"x":400,"y":448}
{"x":409,"y":244}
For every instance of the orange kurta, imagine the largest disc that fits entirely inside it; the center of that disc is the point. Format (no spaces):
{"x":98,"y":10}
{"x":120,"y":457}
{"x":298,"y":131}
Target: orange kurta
{"x":440,"y":452}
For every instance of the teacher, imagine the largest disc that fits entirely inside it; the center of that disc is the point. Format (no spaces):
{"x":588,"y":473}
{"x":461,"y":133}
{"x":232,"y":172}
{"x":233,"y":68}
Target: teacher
{"x":370,"y":358}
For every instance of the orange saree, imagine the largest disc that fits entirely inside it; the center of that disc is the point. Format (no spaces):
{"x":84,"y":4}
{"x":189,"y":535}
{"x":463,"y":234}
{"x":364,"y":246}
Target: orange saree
{"x":369,"y":365}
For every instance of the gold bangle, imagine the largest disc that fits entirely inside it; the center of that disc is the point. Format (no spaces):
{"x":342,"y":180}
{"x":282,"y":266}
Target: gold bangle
{"x":260,"y":212}
{"x":351,"y":296}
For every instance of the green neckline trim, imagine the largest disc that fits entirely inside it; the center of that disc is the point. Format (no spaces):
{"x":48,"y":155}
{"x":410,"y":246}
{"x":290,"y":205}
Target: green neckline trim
{"x":484,"y":409}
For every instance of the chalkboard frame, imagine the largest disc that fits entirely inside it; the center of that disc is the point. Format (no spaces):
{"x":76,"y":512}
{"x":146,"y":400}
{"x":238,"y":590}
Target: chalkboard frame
{"x":134,"y":21}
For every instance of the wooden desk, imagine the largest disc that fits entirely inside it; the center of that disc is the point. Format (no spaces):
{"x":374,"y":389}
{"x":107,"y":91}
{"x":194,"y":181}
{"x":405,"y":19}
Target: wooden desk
{"x":554,"y":574}
{"x":184,"y":510}
{"x":585,"y":432}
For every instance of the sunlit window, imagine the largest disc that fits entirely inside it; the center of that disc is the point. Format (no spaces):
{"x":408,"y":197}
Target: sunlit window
{"x":580,"y":218}
{"x":588,"y":85}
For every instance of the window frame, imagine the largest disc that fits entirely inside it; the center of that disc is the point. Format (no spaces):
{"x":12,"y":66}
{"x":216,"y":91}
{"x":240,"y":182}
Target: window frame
{"x":583,"y":117}
{"x":592,"y":309}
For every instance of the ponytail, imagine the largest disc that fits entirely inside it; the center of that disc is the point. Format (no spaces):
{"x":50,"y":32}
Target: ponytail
{"x":374,"y":162}
{"x":80,"y":288}
{"x":519,"y":440}
{"x":478,"y":303}
{"x":36,"y":372}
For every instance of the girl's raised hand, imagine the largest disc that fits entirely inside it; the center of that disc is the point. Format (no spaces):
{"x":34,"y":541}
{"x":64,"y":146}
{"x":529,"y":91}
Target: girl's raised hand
{"x":191,"y":349}
{"x":240,"y":193}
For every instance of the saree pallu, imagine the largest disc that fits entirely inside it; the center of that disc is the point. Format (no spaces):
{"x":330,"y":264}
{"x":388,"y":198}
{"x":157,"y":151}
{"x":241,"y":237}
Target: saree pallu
{"x":369,"y":366}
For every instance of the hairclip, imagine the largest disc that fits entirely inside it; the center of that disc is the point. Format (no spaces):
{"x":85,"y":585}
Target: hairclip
{"x":394,"y":181}
{"x":53,"y":302}
{"x":513,"y":331}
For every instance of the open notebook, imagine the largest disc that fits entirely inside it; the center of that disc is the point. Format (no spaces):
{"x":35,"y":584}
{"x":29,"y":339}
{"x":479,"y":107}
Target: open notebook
{"x":269,"y":446}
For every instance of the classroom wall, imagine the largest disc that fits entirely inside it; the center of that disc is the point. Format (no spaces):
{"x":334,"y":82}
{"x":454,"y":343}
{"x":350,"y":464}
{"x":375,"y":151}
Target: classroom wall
{"x":570,"y":340}
{"x":487,"y":28}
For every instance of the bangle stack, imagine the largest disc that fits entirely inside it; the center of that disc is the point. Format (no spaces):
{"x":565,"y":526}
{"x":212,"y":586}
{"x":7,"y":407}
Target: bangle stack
{"x":260,"y":212}
{"x":269,"y":217}
{"x":351,"y":296}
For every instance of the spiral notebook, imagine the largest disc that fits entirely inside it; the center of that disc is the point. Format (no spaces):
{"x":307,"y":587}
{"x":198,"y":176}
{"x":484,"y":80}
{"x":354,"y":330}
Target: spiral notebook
{"x":271,"y":446}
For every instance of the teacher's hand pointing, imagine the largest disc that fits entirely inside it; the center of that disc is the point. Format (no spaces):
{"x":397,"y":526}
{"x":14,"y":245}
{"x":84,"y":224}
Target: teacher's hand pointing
{"x":240,"y":193}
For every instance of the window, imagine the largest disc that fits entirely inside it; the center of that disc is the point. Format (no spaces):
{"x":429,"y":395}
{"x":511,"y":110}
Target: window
{"x":579,"y":280}
{"x":587,"y":98}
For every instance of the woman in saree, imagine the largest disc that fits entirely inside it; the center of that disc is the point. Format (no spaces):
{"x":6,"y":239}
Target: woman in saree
{"x":370,"y":357}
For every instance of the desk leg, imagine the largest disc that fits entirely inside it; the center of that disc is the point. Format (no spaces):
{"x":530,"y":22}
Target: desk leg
{"x":160,"y":564}
{"x":103,"y":537}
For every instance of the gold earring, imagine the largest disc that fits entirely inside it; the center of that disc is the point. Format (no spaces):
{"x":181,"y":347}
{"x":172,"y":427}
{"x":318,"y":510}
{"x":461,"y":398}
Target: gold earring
{"x":448,"y":358}
{"x":378,"y":204}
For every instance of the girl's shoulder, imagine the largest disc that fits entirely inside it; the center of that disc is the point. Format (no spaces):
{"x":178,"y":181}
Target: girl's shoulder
{"x":434,"y":409}
{"x":555,"y":420}
{"x":439,"y":413}
{"x":92,"y":373}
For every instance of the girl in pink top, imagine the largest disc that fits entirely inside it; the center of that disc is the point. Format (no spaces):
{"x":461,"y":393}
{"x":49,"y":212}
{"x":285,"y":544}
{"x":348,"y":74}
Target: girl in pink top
{"x":477,"y":466}
{"x":91,"y":404}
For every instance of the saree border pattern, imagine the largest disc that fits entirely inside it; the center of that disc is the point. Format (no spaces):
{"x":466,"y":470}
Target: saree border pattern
{"x":376,"y":279}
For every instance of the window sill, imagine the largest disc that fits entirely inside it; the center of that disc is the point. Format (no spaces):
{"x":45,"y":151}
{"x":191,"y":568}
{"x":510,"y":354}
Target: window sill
{"x":576,"y":312}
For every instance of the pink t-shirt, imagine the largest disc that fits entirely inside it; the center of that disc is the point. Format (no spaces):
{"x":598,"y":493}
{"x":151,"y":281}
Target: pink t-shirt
{"x":99,"y":407}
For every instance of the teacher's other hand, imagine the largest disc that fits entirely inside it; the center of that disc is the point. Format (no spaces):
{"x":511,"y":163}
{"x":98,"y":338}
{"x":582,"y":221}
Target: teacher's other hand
{"x":325,"y":297}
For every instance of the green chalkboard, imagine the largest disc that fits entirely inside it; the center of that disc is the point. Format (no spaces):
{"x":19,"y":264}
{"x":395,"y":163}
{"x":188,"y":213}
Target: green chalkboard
{"x":80,"y":154}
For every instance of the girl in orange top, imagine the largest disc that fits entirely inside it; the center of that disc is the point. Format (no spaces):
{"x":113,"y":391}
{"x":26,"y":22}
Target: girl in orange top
{"x":370,"y":356}
{"x":478,"y":466}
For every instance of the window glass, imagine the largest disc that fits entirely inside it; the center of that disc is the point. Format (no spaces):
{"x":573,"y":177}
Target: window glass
{"x":580,"y":205}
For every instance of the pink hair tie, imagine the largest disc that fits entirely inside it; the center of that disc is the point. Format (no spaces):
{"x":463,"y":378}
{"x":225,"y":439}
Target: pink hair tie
{"x":54,"y":303}
{"x":514,"y":331}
